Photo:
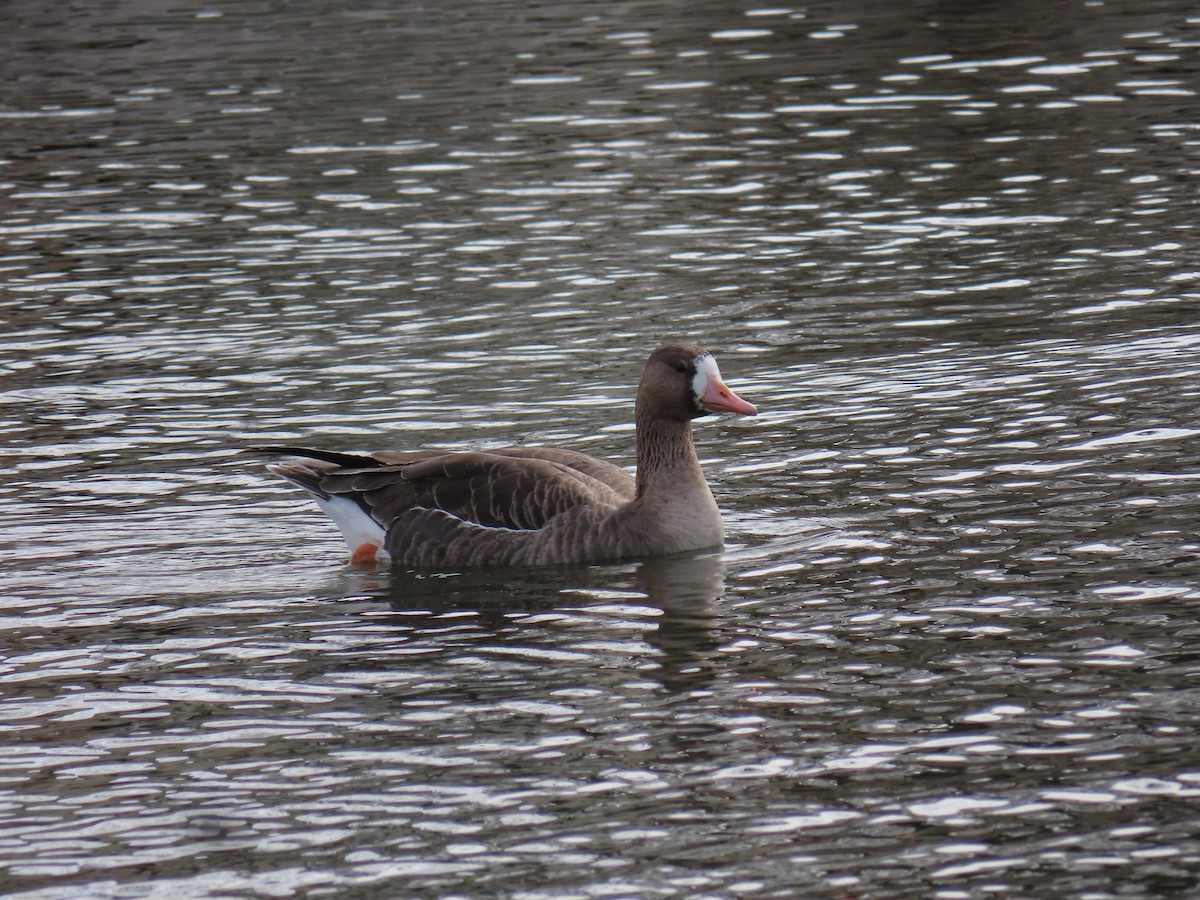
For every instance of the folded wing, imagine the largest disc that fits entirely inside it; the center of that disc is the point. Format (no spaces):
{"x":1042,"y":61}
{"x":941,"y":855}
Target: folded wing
{"x":517,"y":489}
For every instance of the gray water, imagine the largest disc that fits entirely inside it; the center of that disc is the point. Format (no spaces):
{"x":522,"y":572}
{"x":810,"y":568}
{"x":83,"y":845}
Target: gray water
{"x":949,"y":249}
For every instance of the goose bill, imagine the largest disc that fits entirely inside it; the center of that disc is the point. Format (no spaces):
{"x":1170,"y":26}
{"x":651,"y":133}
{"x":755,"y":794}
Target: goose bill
{"x":716,"y":396}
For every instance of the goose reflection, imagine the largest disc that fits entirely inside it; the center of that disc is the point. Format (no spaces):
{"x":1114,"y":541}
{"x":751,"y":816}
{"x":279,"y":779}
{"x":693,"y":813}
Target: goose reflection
{"x":669,"y":599}
{"x":685,"y":590}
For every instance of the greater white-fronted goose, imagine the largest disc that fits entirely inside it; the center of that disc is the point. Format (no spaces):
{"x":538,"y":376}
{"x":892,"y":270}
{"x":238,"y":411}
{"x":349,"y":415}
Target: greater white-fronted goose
{"x":534,"y":505}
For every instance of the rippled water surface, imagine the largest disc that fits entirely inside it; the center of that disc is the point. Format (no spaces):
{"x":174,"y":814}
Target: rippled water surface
{"x":949,"y":249}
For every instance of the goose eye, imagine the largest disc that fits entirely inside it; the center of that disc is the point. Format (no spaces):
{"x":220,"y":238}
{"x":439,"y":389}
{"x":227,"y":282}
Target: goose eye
{"x":680,"y":366}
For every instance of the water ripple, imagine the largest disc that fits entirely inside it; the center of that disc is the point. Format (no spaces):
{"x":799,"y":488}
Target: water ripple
{"x":948,"y":644}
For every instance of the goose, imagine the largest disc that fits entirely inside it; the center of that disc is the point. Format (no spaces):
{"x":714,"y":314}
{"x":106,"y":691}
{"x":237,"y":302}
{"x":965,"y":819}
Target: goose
{"x":533,"y":506}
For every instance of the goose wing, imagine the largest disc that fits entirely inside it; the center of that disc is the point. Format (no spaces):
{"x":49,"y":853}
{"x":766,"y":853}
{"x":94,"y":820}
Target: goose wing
{"x":490,"y":490}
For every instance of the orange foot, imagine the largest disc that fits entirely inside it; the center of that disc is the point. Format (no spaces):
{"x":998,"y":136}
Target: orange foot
{"x":365,"y":555}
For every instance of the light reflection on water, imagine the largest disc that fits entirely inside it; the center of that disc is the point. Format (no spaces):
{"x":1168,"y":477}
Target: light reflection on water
{"x":948,"y":251}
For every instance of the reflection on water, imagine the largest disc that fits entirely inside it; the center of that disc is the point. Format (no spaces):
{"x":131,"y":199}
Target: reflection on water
{"x":949,"y":249}
{"x":666,"y":603}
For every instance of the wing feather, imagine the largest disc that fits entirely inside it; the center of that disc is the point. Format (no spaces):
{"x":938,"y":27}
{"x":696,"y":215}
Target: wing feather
{"x":428,"y":500}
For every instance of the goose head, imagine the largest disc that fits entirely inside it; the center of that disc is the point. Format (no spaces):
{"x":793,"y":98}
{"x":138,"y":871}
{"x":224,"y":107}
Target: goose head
{"x":681,"y":382}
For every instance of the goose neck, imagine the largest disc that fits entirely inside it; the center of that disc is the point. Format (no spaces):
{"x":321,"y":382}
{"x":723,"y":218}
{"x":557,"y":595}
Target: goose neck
{"x":666,"y":456}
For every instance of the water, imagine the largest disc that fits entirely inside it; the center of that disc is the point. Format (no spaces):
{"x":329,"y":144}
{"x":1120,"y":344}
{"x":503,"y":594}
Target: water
{"x":948,"y":249}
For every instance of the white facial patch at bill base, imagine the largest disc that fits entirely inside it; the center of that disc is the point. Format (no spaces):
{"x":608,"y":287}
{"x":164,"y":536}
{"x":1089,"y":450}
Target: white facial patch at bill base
{"x":706,"y":371}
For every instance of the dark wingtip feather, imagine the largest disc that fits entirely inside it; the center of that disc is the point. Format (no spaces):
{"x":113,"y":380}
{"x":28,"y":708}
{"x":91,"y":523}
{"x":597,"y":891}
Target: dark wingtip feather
{"x":330,"y":456}
{"x":302,"y":476}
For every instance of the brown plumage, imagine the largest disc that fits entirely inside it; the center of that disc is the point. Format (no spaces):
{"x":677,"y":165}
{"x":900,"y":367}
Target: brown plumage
{"x":530,"y":505}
